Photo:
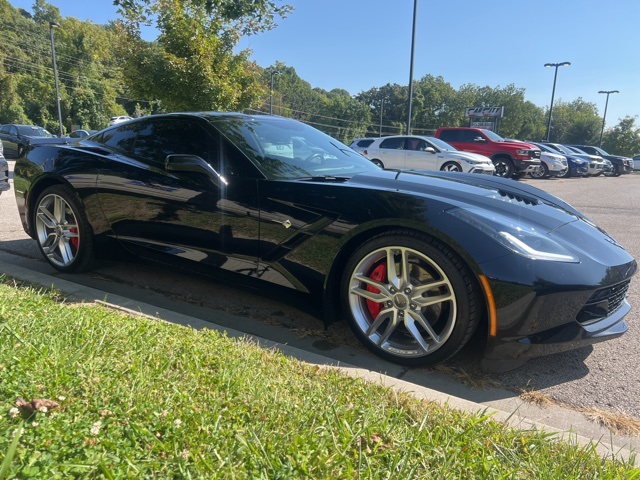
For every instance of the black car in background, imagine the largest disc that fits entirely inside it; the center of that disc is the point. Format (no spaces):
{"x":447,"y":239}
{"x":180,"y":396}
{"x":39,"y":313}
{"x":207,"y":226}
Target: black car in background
{"x":621,"y":165}
{"x":416,"y":262}
{"x":17,"y":137}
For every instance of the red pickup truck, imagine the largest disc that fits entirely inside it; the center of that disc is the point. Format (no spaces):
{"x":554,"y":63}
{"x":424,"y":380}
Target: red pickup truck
{"x":511,"y":159}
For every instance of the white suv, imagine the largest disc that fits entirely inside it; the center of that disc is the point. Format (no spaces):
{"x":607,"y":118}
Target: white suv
{"x":121,"y":118}
{"x":424,"y":153}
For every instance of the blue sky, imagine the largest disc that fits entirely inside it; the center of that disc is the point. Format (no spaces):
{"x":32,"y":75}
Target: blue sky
{"x":360,"y":44}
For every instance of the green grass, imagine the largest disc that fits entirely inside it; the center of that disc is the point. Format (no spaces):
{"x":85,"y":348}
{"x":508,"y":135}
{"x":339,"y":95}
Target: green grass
{"x":146,"y":399}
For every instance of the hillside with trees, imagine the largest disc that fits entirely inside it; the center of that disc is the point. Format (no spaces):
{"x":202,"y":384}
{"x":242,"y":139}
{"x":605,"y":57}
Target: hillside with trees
{"x":109,"y":70}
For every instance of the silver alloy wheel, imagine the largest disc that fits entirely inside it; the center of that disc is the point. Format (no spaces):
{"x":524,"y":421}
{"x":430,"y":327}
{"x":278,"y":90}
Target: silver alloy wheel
{"x":451,"y":167}
{"x":411,"y":310}
{"x":57,"y":230}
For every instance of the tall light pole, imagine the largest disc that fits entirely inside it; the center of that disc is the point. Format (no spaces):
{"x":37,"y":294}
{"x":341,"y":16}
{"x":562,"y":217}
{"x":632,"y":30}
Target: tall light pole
{"x":606,"y":104}
{"x":553,"y":92}
{"x":413,"y":44}
{"x":53,"y":25}
{"x":273,"y":72}
{"x":381,"y":108}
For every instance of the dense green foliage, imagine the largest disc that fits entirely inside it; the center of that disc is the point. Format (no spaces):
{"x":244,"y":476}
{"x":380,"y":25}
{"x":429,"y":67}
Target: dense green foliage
{"x":140,"y":398}
{"x":108,"y":70}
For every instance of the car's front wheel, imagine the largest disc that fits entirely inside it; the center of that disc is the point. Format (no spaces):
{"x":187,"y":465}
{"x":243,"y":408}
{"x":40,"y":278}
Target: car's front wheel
{"x":504,"y":167}
{"x":63,"y":233}
{"x":451,"y":167}
{"x":410,"y":299}
{"x":541,"y":172}
{"x":613,"y":172}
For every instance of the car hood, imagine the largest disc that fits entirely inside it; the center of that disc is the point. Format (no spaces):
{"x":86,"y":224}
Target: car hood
{"x":506,"y":197}
{"x":466,"y":156}
{"x":525,"y":145}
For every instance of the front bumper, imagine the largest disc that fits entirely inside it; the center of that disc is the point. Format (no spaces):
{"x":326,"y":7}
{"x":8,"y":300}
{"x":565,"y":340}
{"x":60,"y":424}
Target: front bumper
{"x":596,"y":168}
{"x":483,"y":169}
{"x":556,"y":310}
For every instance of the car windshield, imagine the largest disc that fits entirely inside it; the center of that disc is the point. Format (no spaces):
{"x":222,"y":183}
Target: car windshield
{"x":286,"y":149}
{"x":600,"y":151}
{"x":493,"y":136}
{"x":562,"y":148}
{"x":442,"y":145}
{"x":32,"y":131}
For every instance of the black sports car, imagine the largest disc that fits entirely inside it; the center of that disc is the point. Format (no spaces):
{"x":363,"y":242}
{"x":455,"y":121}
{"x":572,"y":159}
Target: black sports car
{"x":415,"y":261}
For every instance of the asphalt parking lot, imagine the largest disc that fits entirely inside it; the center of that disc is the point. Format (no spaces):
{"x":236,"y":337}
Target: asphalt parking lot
{"x":601,"y":377}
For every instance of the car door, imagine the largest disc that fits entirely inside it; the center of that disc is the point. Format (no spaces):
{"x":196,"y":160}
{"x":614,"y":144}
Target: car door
{"x":173,"y":215}
{"x":392,"y":152}
{"x":418,"y":157}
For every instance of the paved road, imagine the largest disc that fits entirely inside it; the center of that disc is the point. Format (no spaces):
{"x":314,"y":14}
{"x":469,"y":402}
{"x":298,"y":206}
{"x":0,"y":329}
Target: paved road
{"x":603,"y":376}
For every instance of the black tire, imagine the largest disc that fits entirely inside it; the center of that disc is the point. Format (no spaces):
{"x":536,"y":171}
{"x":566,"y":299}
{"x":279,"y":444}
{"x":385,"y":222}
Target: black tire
{"x":377,"y":162}
{"x":62,"y":231}
{"x":542,"y":172}
{"x":566,"y":173}
{"x":451,"y":167}
{"x":504,"y":167}
{"x":414,"y":319}
{"x":613,"y":173}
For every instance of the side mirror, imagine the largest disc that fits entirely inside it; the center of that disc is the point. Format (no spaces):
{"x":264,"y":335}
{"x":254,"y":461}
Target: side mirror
{"x":430,"y":150}
{"x":193,"y":163}
{"x":479,"y":140}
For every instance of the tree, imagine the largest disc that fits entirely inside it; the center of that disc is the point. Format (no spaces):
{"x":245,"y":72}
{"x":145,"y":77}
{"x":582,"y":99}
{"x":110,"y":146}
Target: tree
{"x":192,"y":65}
{"x":575,"y":122}
{"x":623,"y":139}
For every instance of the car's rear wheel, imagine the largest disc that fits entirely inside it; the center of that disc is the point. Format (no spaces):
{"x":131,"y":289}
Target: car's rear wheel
{"x":451,"y":167}
{"x":377,"y":162}
{"x":62,"y":231}
{"x":409,"y":299}
{"x":504,"y":167}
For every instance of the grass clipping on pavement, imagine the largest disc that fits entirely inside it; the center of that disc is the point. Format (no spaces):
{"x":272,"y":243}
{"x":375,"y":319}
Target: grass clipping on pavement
{"x":132,"y":397}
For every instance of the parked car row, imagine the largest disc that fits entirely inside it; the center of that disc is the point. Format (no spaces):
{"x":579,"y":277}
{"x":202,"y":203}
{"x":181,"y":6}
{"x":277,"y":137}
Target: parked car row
{"x":476,"y":150}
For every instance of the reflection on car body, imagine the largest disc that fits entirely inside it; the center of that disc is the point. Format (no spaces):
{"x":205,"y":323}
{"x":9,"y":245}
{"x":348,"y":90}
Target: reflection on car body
{"x":416,"y":262}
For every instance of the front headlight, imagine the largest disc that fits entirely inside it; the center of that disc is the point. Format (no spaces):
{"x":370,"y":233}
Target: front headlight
{"x":517,"y":235}
{"x":522,"y":152}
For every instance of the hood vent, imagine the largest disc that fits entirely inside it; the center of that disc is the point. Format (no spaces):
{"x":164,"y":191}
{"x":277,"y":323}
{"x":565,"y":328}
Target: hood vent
{"x":517,"y":198}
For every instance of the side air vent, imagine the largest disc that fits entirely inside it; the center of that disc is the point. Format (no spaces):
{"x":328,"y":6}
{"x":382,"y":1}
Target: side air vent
{"x":603,"y":303}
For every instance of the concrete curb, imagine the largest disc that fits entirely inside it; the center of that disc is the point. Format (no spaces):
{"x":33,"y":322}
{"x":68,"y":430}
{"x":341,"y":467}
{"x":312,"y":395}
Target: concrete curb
{"x":516,"y":416}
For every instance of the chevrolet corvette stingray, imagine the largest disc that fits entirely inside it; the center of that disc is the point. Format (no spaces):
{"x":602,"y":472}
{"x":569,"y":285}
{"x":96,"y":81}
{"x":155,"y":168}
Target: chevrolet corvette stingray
{"x":415,"y":261}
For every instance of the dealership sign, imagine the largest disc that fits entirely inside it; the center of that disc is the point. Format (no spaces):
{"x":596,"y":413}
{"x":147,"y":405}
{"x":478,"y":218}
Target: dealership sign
{"x":495,"y":112}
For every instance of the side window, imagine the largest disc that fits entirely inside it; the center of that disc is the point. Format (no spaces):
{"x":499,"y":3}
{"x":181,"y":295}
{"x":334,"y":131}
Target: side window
{"x":365,"y":143}
{"x":164,"y":137}
{"x":4,"y":129}
{"x":416,"y":144}
{"x":468,"y":136}
{"x":13,"y":130}
{"x":393,"y":143}
{"x":121,"y":138}
{"x":450,"y":135}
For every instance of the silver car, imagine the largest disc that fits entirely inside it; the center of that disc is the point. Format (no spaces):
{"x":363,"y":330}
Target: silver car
{"x":415,"y":152}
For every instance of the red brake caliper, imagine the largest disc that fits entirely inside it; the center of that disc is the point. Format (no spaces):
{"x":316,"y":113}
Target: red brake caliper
{"x":378,"y":274}
{"x":74,"y":240}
